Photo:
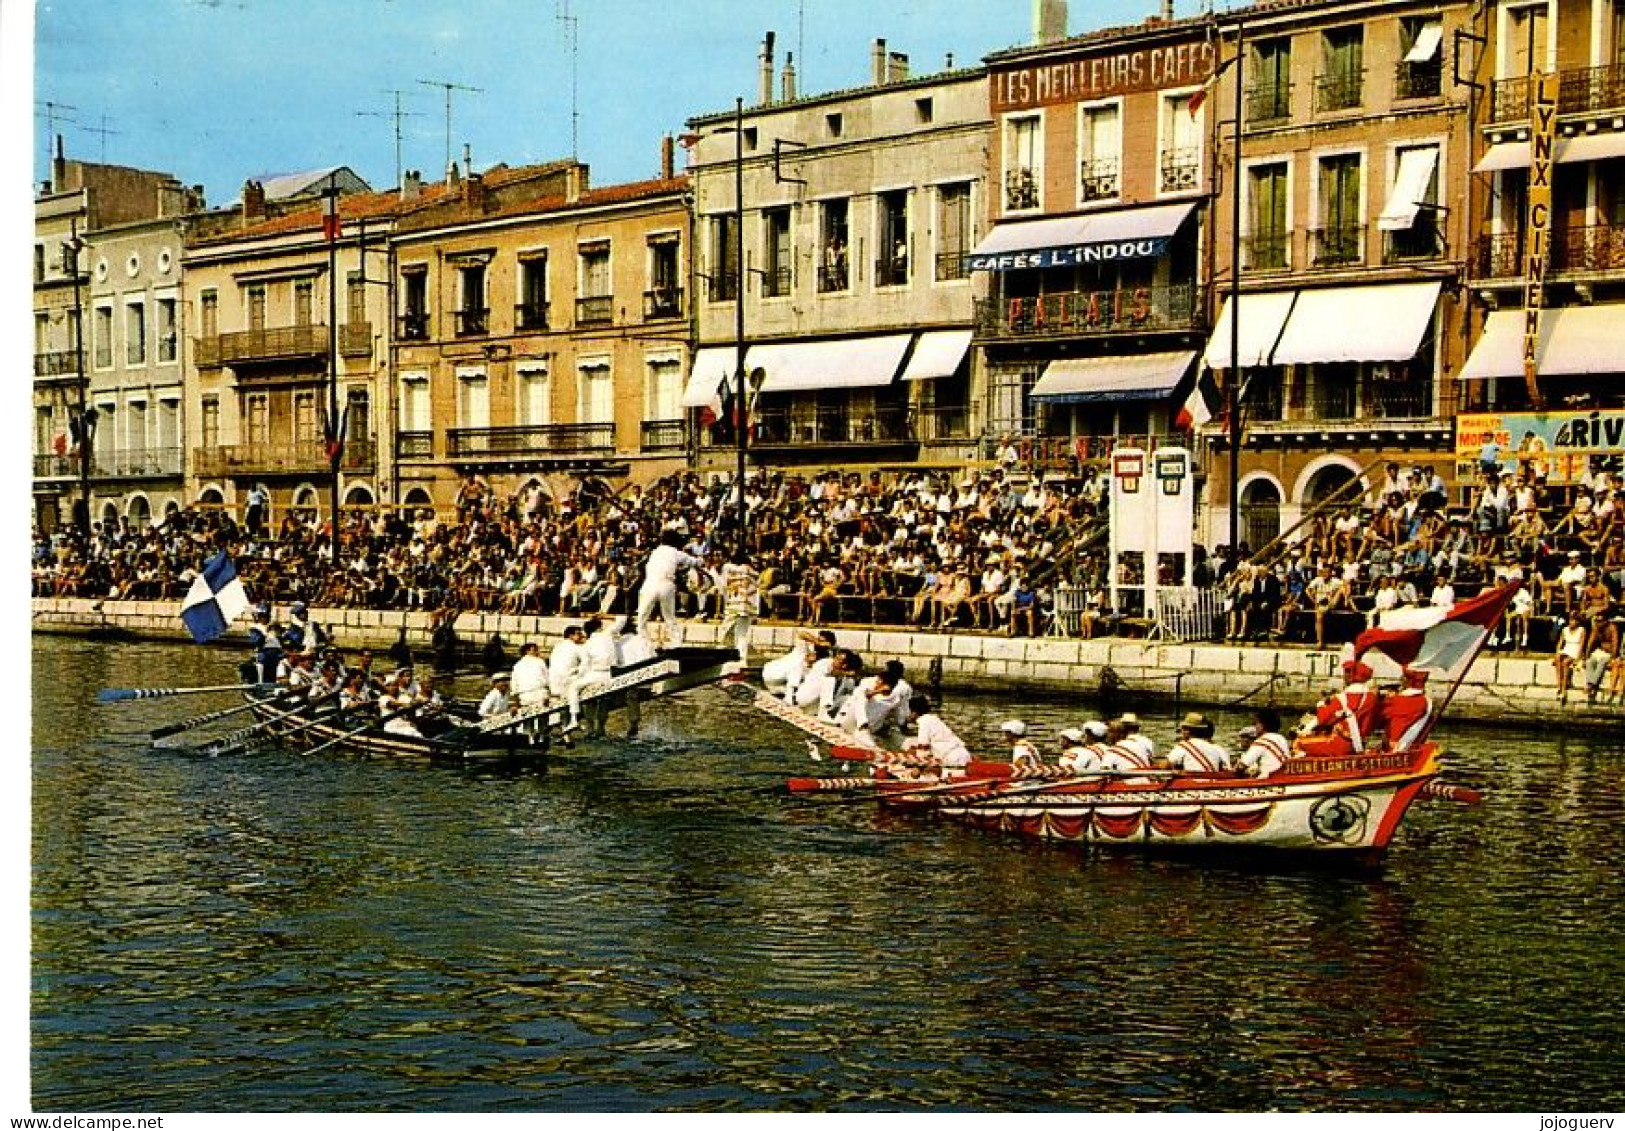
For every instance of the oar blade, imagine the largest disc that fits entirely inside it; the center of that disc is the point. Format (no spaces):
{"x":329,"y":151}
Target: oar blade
{"x":116,"y":695}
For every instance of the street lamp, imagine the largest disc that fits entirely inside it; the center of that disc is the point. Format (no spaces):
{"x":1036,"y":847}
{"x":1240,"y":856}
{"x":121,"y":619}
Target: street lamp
{"x":85,"y":420}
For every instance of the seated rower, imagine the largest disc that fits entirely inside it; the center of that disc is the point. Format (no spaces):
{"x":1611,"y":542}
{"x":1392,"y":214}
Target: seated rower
{"x":1121,"y":755}
{"x":933,"y":736}
{"x":1022,"y":752}
{"x":1131,"y":736}
{"x":1269,"y":749}
{"x":1407,"y":712}
{"x":1084,"y":747}
{"x":430,"y":716}
{"x":496,"y":702}
{"x":356,"y":691}
{"x":1196,"y":752}
{"x":395,"y":707}
{"x":1345,"y":720}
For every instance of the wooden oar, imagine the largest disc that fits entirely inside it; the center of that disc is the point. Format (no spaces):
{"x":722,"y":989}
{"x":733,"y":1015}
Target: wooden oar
{"x":213,"y":716}
{"x":1443,"y":791}
{"x":261,"y":732}
{"x":353,"y":731}
{"x":127,"y":694}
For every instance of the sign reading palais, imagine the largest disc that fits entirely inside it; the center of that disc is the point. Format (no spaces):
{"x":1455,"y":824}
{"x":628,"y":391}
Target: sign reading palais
{"x":1079,"y":80}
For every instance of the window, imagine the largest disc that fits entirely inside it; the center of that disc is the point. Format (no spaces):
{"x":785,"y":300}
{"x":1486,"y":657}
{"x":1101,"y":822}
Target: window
{"x":924,"y":111}
{"x":596,"y":303}
{"x":39,"y":263}
{"x":1269,"y":96}
{"x":305,"y":431}
{"x":1181,"y":164}
{"x":1268,"y":242}
{"x":209,"y":418}
{"x":415,"y":402}
{"x":1526,"y":40}
{"x":595,"y":403}
{"x":304,"y":298}
{"x":355,"y":299}
{"x":1341,"y":81}
{"x":776,"y":251}
{"x":1023,"y":172}
{"x":664,"y":298}
{"x":42,"y":331}
{"x":415,"y":304}
{"x":891,"y":265}
{"x":1340,"y":238}
{"x":1100,"y":152}
{"x":953,"y":230}
{"x":135,"y":333}
{"x":833,"y":124}
{"x":254,"y":301}
{"x":257,"y":418}
{"x":1410,"y":220}
{"x":166,"y":329}
{"x":1420,"y":71}
{"x":471,"y":308}
{"x":135,"y":426}
{"x":1010,"y":407}
{"x":473,"y":399}
{"x":535,"y":394}
{"x":169,"y":425}
{"x":357,"y":417}
{"x":833,"y":268}
{"x":724,"y":278}
{"x":1616,"y":28}
{"x":104,"y":337}
{"x":748,"y":135}
{"x":208,"y":314}
{"x":663,"y":391}
{"x":531,"y":311}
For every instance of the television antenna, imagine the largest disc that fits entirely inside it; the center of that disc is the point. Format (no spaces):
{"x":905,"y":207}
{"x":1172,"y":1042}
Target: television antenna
{"x":396,"y":114}
{"x":448,"y":87}
{"x":572,"y":25}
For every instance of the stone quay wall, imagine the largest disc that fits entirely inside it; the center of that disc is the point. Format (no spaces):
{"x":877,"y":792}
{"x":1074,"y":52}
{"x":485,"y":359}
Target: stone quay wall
{"x":1516,"y":691}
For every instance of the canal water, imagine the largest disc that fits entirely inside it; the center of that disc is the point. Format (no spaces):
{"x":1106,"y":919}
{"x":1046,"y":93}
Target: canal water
{"x":656,"y":926}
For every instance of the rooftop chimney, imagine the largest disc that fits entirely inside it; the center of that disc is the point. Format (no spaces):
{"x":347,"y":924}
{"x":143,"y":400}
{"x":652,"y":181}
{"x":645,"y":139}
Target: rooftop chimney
{"x":1168,"y":11}
{"x":59,"y":168}
{"x":468,"y":160}
{"x":877,"y":63}
{"x":1049,"y":20}
{"x":474,"y":192}
{"x":575,"y":182}
{"x":764,"y":88}
{"x":253,"y":201}
{"x":668,"y":158}
{"x":896,"y":67}
{"x":411,"y":184}
{"x":788,"y":79}
{"x":453,"y":177}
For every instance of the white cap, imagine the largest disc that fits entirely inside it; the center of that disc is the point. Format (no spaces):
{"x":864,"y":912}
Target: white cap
{"x":1072,"y":734}
{"x":1013,"y":726}
{"x":1095,"y":729}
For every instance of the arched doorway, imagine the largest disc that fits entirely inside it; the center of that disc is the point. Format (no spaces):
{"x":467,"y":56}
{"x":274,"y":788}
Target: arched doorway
{"x":305,"y":504}
{"x":418,"y":497}
{"x":211,"y":498}
{"x":1260,"y":513}
{"x":358,"y":496}
{"x":139,"y":511}
{"x":1326,"y":482}
{"x":109,"y":515}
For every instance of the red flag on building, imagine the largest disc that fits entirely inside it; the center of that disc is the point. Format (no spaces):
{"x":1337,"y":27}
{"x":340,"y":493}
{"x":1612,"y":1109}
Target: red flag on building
{"x":331,"y":222}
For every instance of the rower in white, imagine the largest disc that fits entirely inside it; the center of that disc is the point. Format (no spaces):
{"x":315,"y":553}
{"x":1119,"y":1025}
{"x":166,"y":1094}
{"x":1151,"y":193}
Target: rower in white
{"x":933,"y":736}
{"x":660,"y":585}
{"x":1196,"y":752}
{"x":567,"y":671}
{"x":530,"y":676}
{"x":496,"y":701}
{"x":1269,"y":749}
{"x":1022,"y":752}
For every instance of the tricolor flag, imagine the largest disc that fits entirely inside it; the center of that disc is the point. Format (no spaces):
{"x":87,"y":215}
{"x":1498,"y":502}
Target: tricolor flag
{"x":215,"y":600}
{"x":1195,"y":411}
{"x":331,"y":222}
{"x":1442,"y":641}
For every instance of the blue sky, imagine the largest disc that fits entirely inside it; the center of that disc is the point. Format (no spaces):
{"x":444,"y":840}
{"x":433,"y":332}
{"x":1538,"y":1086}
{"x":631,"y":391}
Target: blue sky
{"x":215,"y":91}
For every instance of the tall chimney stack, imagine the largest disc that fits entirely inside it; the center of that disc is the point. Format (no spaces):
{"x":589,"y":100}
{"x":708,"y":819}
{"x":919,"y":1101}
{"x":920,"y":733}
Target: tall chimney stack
{"x":668,"y":158}
{"x":788,"y":79}
{"x":59,"y":168}
{"x":896,"y":67}
{"x":764,"y":88}
{"x":1049,"y":20}
{"x":877,"y":63}
{"x":253,"y":201}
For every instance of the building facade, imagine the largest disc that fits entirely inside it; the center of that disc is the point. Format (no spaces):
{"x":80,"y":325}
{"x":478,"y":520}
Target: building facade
{"x":858,"y":209}
{"x":541,"y":331}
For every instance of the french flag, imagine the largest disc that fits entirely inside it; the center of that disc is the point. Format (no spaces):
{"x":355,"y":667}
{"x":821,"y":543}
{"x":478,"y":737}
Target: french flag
{"x":215,"y":600}
{"x":1441,"y":641}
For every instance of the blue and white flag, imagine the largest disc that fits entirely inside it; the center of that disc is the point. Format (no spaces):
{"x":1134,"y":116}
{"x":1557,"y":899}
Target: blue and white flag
{"x":214,"y":601}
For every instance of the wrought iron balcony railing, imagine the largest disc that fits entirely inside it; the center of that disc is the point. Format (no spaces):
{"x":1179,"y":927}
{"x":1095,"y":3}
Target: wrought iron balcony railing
{"x":1592,"y":248}
{"x":51,"y":466}
{"x":1181,"y":169}
{"x":413,"y":326}
{"x":1020,"y":190}
{"x":723,"y":287}
{"x":1419,"y":80}
{"x":1267,"y":104}
{"x":1341,"y":90}
{"x":1584,"y":90}
{"x":303,"y":457}
{"x":943,"y":423}
{"x":530,"y":317}
{"x":1267,"y":251}
{"x":776,"y":282}
{"x":1499,"y":255}
{"x":662,"y":302}
{"x":284,"y":343}
{"x":951,"y":265}
{"x":136,"y":463}
{"x":1419,"y":241}
{"x":831,"y":424}
{"x":472,"y":322}
{"x":57,"y":363}
{"x":595,"y":310}
{"x":832,"y":278}
{"x":664,"y":435}
{"x":355,"y":339}
{"x":1078,"y":313}
{"x":533,"y":441}
{"x":1339,"y":245}
{"x":1100,"y":179}
{"x":414,"y":445}
{"x":891,"y":271}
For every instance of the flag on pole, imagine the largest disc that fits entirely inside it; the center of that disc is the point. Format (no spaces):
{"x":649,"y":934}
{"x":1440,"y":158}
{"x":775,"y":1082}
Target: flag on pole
{"x":331,"y":223}
{"x":215,"y":600}
{"x":1441,"y":641}
{"x":1195,"y":411}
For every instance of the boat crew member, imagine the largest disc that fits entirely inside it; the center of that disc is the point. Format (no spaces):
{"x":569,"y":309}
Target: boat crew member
{"x":302,"y":673}
{"x":530,"y":676}
{"x":1132,"y":737}
{"x":327,"y":681}
{"x":1076,"y":757}
{"x":818,"y":682}
{"x":355,"y":692}
{"x":1345,"y":720}
{"x":567,"y":671}
{"x":267,"y":644}
{"x":431,"y":713}
{"x":630,"y":649}
{"x":600,"y":668}
{"x":1022,"y":752}
{"x":1093,"y":751}
{"x":1408,"y":711}
{"x":396,"y":705}
{"x":496,"y":701}
{"x":844,"y":675}
{"x":1268,"y":750}
{"x":879,"y":702}
{"x":660,"y":585}
{"x":1196,"y":752}
{"x":783,"y":676}
{"x":741,"y":601}
{"x":935,"y":737}
{"x":1122,"y":755}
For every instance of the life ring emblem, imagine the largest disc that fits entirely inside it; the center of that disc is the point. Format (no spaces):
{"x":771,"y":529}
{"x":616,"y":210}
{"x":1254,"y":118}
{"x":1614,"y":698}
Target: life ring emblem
{"x":1339,"y":820}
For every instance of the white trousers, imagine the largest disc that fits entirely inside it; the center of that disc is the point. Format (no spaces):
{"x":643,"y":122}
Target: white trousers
{"x":663,"y":596}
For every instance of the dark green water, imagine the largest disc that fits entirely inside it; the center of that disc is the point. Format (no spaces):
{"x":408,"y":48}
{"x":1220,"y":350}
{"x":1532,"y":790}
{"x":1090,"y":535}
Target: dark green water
{"x":654,"y":927}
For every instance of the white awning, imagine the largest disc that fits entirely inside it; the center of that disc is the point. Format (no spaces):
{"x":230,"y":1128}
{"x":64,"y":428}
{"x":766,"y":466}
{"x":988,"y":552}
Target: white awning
{"x":1426,"y":45}
{"x":1262,"y":317}
{"x":1070,"y":241}
{"x":937,"y":354}
{"x":845,"y":363}
{"x":1371,"y":323}
{"x":1135,"y":377}
{"x":1405,"y":199}
{"x":1574,"y":340}
{"x":711,"y":365}
{"x":1582,"y":147}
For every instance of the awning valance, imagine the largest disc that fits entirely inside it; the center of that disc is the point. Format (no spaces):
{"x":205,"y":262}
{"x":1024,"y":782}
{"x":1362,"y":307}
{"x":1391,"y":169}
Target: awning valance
{"x":842,"y":363}
{"x":1072,"y":241}
{"x":1410,"y":188}
{"x":1574,"y":341}
{"x":1262,"y":318}
{"x":712,"y":364}
{"x":1371,"y":323}
{"x":938,"y":353}
{"x":1582,"y":147}
{"x":1134,"y":377}
{"x":1426,"y":47}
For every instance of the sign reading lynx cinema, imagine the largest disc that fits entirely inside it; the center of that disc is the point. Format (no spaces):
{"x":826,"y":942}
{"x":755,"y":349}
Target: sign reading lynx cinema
{"x":1079,"y":80}
{"x":1076,"y":255}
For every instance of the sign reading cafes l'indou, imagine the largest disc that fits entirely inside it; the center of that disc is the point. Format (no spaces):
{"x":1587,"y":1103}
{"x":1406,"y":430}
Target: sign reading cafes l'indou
{"x":1099,"y":76}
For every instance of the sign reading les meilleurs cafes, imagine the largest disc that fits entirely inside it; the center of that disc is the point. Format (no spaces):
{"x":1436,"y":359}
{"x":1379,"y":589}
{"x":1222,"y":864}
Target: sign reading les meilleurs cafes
{"x":1079,"y":80}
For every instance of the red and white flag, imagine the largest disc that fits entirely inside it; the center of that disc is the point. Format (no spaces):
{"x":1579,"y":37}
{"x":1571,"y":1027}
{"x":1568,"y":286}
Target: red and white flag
{"x":331,"y":222}
{"x":1441,"y":641}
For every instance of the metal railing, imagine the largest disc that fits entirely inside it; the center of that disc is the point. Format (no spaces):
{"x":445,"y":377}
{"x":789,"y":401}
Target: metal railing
{"x":1263,"y":401}
{"x":413,"y":326}
{"x":1268,"y":251}
{"x":1499,"y":255}
{"x":833,"y":278}
{"x":1400,"y":399}
{"x":529,"y":317}
{"x":414,"y":445}
{"x":300,"y":457}
{"x":529,"y":441}
{"x":663,"y":302}
{"x":1070,"y":313}
{"x":595,"y":310}
{"x":1419,"y":241}
{"x":1419,"y":80}
{"x":1181,"y":169}
{"x":281,"y":343}
{"x":57,"y":363}
{"x":951,"y":265}
{"x":1100,"y":179}
{"x":663,"y":435}
{"x":833,"y":424}
{"x":951,"y":422}
{"x":472,"y":322}
{"x":355,"y":339}
{"x":1339,"y":245}
{"x":135,"y":463}
{"x":891,"y":271}
{"x":55,"y":467}
{"x":1509,"y":99}
{"x":1341,"y":90}
{"x":1267,"y":104}
{"x":1583,"y":90}
{"x":1020,"y":190}
{"x":723,"y":287}
{"x":776,"y":282}
{"x":1588,"y":248}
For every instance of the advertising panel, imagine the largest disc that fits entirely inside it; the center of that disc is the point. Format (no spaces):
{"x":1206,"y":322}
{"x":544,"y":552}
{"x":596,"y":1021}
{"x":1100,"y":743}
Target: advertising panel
{"x":1558,"y":445}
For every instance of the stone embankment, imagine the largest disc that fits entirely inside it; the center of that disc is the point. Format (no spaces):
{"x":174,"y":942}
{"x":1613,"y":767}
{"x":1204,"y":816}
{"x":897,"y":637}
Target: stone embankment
{"x":1517,"y":691}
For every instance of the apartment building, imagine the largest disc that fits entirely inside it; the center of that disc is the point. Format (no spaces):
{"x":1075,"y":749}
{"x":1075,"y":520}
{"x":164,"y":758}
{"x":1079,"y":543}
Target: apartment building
{"x":541,"y":332}
{"x":858,"y":209}
{"x":1349,"y":188}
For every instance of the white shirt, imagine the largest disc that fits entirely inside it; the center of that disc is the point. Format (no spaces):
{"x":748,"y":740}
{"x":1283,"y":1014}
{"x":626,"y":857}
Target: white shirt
{"x":664,"y":563}
{"x":529,"y":675}
{"x":569,"y":660}
{"x":1144,"y":745}
{"x":936,"y":736}
{"x":601,"y":653}
{"x":496,"y":702}
{"x":1268,"y":753}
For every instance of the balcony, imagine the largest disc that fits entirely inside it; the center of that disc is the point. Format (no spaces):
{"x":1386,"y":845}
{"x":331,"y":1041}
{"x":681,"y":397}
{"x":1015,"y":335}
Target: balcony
{"x":57,"y":363}
{"x":595,"y":310}
{"x":304,"y":457}
{"x":891,"y":271}
{"x":832,"y":278}
{"x":136,"y":463}
{"x":831,"y":424}
{"x":776,"y":282}
{"x":1269,"y":251}
{"x":663,"y":435}
{"x":472,"y":322}
{"x":662,"y":302}
{"x":723,"y":287}
{"x":933,"y":425}
{"x":1020,"y":190}
{"x":1100,"y":179}
{"x":355,"y":339}
{"x":1419,"y":80}
{"x":1419,"y":241}
{"x":530,"y":442}
{"x":951,"y":265}
{"x":56,"y":467}
{"x":1181,"y":170}
{"x":414,"y":445}
{"x":1499,"y":255}
{"x":1085,"y":313}
{"x":1267,"y":105}
{"x":1340,"y":91}
{"x":530,"y":317}
{"x":284,"y":343}
{"x":1586,"y":90}
{"x":1590,"y":249}
{"x":413,"y":326}
{"x":1340,"y":245}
